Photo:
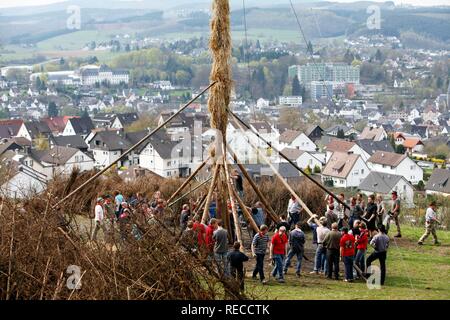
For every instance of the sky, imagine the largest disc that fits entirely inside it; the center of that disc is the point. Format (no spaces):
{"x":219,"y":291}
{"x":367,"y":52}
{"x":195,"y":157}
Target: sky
{"x":16,"y":3}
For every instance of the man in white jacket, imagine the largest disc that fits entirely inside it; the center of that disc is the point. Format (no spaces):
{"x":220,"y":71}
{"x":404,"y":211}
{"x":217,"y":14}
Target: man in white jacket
{"x":98,"y":219}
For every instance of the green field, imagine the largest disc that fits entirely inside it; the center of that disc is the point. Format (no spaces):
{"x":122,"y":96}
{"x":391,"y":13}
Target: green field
{"x":71,"y":44}
{"x":413,"y":272}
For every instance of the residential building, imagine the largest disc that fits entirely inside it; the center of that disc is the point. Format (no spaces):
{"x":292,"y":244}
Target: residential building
{"x":373,"y":133}
{"x":292,"y":101}
{"x":345,"y":170}
{"x":438,"y":183}
{"x":398,"y":164}
{"x":78,"y":126}
{"x":297,"y":140}
{"x":385,"y":184}
{"x":91,"y":75}
{"x":21,"y":181}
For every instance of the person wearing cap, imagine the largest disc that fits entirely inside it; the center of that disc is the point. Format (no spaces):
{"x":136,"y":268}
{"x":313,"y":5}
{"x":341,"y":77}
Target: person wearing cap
{"x":395,"y":211}
{"x":278,"y":249}
{"x":332,"y":243}
{"x":320,"y":262}
{"x":347,"y":252}
{"x":430,"y":224}
{"x":98,"y":219}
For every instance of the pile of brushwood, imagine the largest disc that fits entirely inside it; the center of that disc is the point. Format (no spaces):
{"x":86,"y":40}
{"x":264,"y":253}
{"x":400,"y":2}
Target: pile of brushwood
{"x":44,"y":255}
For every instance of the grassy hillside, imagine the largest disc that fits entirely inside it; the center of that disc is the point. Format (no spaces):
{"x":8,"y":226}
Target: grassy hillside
{"x":413,"y":272}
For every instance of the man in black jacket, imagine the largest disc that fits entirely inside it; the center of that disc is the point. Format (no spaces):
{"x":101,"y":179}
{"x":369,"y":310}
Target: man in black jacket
{"x":236,"y":259}
{"x":296,"y":244}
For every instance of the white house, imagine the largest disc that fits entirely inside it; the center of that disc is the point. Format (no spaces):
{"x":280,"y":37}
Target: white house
{"x":296,"y":140}
{"x":439,"y":183}
{"x":262,"y":104}
{"x":373,"y":133}
{"x":385,"y":184}
{"x":398,"y":164}
{"x":162,"y":157}
{"x":21,"y":181}
{"x":345,"y":169}
{"x":304,"y":159}
{"x":57,"y":161}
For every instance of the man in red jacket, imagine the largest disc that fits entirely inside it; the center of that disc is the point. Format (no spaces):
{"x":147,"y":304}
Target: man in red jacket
{"x":200,"y":229}
{"x":347,"y":245}
{"x":278,"y":248}
{"x":361,"y":245}
{"x":209,"y":235}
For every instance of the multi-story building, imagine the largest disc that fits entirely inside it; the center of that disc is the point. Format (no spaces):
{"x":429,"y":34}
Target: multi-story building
{"x":336,"y":73}
{"x":93,"y":74}
{"x":321,"y":89}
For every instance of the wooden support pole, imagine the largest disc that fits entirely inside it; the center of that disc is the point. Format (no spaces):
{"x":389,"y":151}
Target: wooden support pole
{"x":275,"y":218}
{"x":210,"y":192}
{"x":245,"y":211}
{"x":233,"y":205}
{"x":188,"y":193}
{"x":280,"y":177}
{"x":185,"y":183}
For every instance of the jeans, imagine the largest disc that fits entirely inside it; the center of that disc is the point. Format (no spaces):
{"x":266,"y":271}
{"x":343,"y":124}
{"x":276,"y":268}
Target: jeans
{"x":348,"y":264}
{"x":382,"y":257}
{"x":278,"y":266}
{"x":259,"y":268}
{"x":222,"y":262}
{"x":360,"y":259}
{"x":320,"y":263}
{"x":290,"y":255}
{"x":333,"y":260}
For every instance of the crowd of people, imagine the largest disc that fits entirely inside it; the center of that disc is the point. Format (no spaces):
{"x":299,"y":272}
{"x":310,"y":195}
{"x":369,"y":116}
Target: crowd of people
{"x":121,"y":213}
{"x":342,"y":234}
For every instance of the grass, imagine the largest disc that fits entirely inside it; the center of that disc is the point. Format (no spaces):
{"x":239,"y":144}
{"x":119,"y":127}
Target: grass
{"x":413,"y":272}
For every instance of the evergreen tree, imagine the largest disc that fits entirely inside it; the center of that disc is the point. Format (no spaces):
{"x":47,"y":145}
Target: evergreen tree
{"x":85,"y":113}
{"x":52,"y":109}
{"x":38,"y":83}
{"x":296,"y":88}
{"x":309,"y":48}
{"x":400,"y":149}
{"x":341,"y":134}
